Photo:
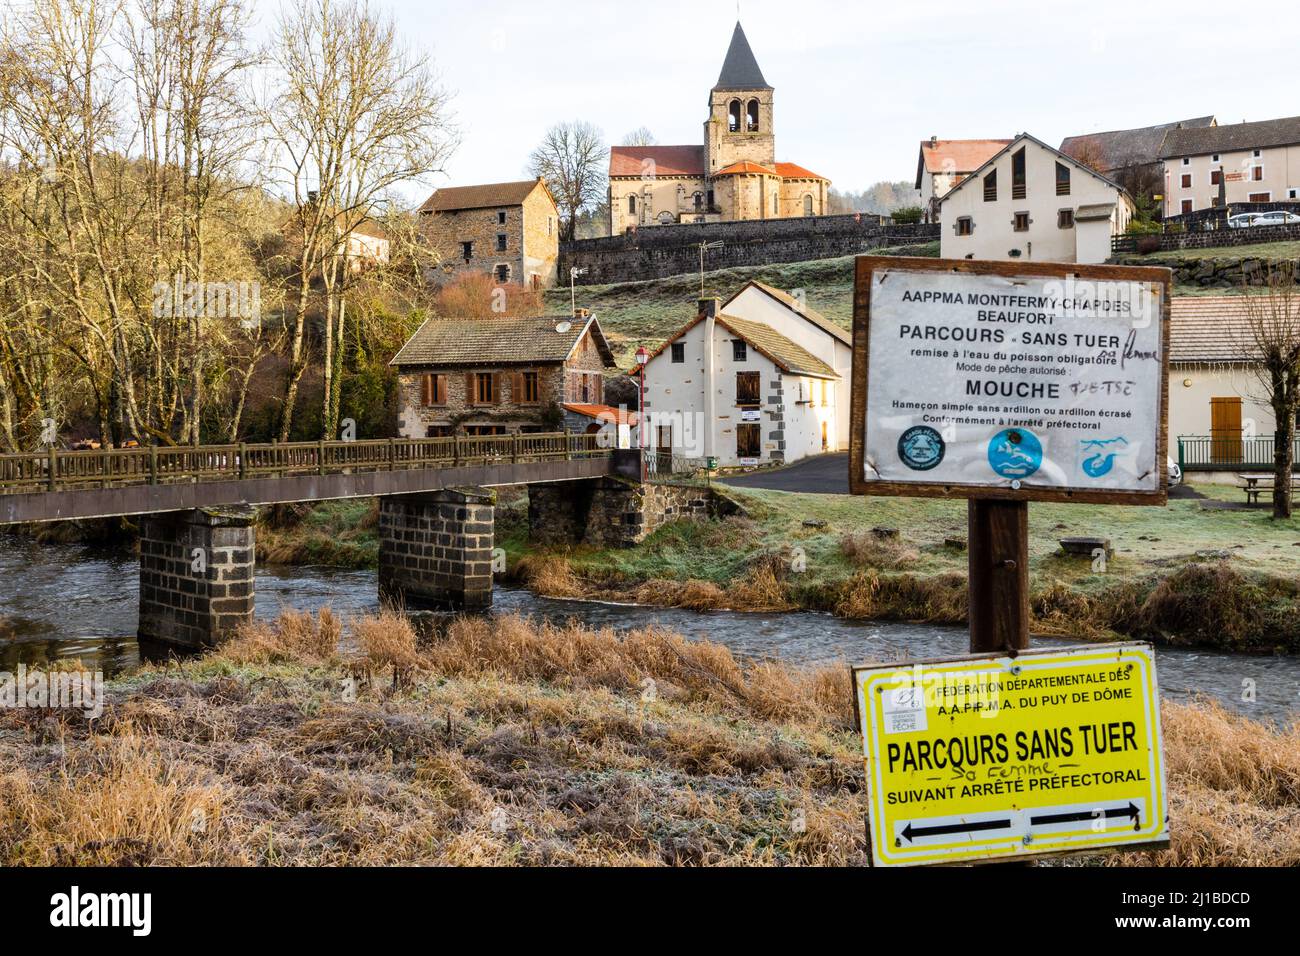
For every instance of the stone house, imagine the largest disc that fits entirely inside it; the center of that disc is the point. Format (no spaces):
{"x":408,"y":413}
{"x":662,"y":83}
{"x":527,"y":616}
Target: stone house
{"x":498,"y":376}
{"x":733,"y":176}
{"x":1031,"y":202}
{"x":742,"y":390}
{"x":510,"y":231}
{"x":1238,"y":162}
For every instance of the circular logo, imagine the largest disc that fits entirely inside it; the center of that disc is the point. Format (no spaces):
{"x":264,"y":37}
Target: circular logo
{"x":1015,"y":453}
{"x":921,"y":448}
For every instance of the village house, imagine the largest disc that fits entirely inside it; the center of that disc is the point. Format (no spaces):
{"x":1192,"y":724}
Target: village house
{"x":507,"y":230}
{"x":1240,"y":162}
{"x":944,"y":163}
{"x":758,"y":380}
{"x":1032,"y":202}
{"x":368,"y":245}
{"x":501,"y":376}
{"x":1131,"y":153}
{"x":733,"y":176}
{"x":1214,"y":391}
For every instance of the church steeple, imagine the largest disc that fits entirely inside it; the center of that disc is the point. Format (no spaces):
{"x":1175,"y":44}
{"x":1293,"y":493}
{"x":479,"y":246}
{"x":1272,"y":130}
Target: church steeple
{"x":740,"y":70}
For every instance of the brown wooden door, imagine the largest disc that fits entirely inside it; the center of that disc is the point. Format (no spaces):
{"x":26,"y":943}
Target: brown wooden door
{"x":1225,"y":431}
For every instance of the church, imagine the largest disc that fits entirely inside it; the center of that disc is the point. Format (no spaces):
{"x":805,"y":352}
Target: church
{"x":733,"y":176}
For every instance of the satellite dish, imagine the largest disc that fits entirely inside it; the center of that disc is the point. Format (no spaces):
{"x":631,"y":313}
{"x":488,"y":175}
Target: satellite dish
{"x":564,"y":327}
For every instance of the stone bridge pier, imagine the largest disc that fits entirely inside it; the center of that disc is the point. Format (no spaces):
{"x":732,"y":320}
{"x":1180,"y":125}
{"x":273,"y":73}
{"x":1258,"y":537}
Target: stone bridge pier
{"x":196,"y":576}
{"x":435,"y":549}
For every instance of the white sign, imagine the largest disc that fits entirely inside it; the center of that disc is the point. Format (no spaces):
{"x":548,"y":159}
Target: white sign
{"x":1014,"y":381}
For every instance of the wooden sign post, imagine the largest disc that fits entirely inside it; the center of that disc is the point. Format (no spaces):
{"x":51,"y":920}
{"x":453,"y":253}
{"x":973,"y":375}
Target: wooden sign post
{"x":1005,"y":383}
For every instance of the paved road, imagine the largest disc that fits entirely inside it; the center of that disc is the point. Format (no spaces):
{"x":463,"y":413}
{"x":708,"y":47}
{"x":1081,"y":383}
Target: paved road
{"x":823,"y":475}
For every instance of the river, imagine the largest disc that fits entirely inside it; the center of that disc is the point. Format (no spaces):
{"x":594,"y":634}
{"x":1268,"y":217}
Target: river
{"x":65,"y":600}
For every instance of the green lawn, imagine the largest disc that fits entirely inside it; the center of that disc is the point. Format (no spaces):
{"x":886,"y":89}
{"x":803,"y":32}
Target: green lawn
{"x":645,"y":313}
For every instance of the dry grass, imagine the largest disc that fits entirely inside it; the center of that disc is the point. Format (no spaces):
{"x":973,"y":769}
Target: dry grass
{"x":514,"y":743}
{"x":869,"y":550}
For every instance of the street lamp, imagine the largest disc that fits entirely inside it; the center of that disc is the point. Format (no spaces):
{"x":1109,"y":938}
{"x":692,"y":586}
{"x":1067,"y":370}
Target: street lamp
{"x":642,"y":357}
{"x":573,"y":291}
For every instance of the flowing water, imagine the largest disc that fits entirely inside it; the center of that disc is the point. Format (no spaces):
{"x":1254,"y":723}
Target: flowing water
{"x":61,"y":601}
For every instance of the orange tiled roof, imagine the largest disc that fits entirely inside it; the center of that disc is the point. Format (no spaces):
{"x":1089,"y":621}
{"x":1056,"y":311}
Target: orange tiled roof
{"x":795,"y":171}
{"x":745,"y":166}
{"x":607,"y":412}
{"x":959,"y":155}
{"x":667,"y":160}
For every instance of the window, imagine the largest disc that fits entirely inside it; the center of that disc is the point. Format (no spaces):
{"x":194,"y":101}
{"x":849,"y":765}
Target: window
{"x":749,"y":441}
{"x":501,"y":218}
{"x":467,"y":250}
{"x":1292,"y":193}
{"x":1018,"y":187}
{"x":751,"y":117}
{"x":776,"y":205}
{"x":733,"y":117}
{"x":664,"y":439}
{"x":1022,"y":222}
{"x":482,"y":388}
{"x":739,"y":351}
{"x":679,"y":353}
{"x":1062,"y":179}
{"x":749,"y":388}
{"x":1187,"y":161}
{"x":710,"y":198}
{"x":1187,"y":180}
{"x":1260,"y":197}
{"x":501,"y":241}
{"x":965,"y":226}
{"x":1214,"y":158}
{"x":529,"y":389}
{"x":699,"y":201}
{"x":550,"y":226}
{"x":631,"y":205}
{"x":1258,"y":153}
{"x":439,"y":431}
{"x":484,"y":431}
{"x":1188,"y":206}
{"x":1065,"y":219}
{"x":1216,"y":177}
{"x":1257,"y":174}
{"x":502,"y":273}
{"x":991,"y":187}
{"x":807,"y":205}
{"x":434,"y":389}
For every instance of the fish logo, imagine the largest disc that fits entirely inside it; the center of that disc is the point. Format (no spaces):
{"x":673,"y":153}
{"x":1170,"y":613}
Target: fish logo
{"x":1102,"y":462}
{"x":1016,"y":454}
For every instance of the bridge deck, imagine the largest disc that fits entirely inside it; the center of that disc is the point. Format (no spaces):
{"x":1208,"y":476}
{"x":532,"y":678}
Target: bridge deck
{"x":58,"y":485}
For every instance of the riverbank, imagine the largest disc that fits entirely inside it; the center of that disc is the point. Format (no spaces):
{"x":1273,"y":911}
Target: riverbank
{"x":506,"y":743}
{"x":1187,"y":574}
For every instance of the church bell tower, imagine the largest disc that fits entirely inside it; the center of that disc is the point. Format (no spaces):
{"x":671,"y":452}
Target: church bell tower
{"x":740,"y":124}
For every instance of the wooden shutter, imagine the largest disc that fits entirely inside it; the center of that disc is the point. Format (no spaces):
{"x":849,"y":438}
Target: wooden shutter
{"x":498,"y":380}
{"x":1225,"y":430}
{"x":428,"y":389}
{"x":471,"y":396}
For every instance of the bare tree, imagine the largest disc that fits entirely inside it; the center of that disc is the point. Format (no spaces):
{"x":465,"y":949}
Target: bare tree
{"x":1271,"y":346}
{"x":357,"y":114}
{"x":572,"y":158}
{"x":641,"y":136}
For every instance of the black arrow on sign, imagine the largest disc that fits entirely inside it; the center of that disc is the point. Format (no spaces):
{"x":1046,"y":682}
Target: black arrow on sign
{"x":954,"y":828}
{"x":1087,"y":816}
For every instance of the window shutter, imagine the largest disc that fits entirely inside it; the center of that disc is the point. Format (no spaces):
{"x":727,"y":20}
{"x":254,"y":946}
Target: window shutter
{"x":498,"y":380}
{"x":427,"y":383}
{"x":517,"y":388}
{"x":471,"y":398}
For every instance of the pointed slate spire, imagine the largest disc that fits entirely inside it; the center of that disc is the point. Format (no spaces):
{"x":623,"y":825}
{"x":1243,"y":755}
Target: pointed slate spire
{"x":740,"y":70}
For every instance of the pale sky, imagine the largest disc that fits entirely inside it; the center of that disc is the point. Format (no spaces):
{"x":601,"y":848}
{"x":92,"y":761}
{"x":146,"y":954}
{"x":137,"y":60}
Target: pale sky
{"x":857,"y":85}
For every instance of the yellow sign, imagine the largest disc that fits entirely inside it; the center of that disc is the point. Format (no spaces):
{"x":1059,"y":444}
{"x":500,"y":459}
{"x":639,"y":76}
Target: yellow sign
{"x":987,"y":758}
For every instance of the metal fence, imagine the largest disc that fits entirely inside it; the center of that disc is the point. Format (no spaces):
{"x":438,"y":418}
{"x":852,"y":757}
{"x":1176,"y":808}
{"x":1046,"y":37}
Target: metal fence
{"x":663,"y":467}
{"x":1206,"y":453}
{"x":55,"y":470}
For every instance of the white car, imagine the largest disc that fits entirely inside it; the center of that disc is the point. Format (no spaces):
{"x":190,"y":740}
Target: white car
{"x":1248,"y":220}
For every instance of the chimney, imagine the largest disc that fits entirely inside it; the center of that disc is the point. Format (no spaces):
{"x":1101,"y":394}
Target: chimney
{"x":582,"y":314}
{"x":934,"y":141}
{"x":709,"y":308}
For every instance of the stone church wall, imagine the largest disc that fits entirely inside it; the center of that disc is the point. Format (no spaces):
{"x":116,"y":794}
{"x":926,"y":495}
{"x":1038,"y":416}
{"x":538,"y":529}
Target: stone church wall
{"x":661,"y":251}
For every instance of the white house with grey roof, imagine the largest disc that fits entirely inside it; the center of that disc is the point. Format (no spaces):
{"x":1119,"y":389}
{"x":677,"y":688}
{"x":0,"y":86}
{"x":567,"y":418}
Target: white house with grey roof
{"x":1232,"y":163}
{"x":760,"y":379}
{"x":1034,"y":203}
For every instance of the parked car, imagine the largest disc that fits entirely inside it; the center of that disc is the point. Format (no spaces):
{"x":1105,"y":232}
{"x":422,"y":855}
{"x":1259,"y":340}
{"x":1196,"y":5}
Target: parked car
{"x":1249,"y":220}
{"x":1175,"y":474}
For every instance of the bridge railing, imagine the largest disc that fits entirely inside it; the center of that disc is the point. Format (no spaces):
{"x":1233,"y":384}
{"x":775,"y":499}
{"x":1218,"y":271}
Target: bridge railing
{"x":56,"y":470}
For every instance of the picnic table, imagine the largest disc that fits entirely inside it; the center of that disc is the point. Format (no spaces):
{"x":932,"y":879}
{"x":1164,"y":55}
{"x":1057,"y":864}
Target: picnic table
{"x":1254,"y":485}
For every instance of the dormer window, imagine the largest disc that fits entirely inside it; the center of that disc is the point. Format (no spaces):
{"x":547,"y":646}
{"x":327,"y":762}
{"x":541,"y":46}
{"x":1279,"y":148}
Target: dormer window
{"x":1018,"y":181}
